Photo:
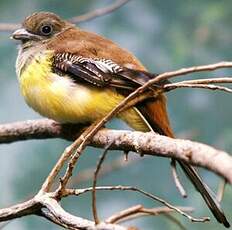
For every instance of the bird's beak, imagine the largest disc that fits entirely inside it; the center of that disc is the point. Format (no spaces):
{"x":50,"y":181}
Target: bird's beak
{"x":23,"y":35}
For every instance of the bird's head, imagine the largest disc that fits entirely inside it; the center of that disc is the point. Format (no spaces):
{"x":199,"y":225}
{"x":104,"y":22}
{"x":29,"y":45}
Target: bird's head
{"x":40,"y":27}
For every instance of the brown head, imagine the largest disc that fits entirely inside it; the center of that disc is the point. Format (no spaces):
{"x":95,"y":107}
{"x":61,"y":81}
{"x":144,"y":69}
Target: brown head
{"x":40,"y":27}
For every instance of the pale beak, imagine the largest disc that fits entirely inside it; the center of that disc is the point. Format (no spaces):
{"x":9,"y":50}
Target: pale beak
{"x":23,"y":35}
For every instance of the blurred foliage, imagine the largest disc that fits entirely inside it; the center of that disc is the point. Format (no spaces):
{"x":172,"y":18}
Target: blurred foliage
{"x":164,"y":35}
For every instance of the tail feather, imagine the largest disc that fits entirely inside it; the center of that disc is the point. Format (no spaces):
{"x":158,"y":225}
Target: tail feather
{"x":206,"y":193}
{"x":155,"y":112}
{"x":156,"y":115}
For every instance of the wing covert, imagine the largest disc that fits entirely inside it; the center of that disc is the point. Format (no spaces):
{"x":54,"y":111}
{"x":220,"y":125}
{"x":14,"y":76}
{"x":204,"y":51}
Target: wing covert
{"x":100,"y":72}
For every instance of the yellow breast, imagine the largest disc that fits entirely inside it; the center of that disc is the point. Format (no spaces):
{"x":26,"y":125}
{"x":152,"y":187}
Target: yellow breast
{"x":59,"y":98}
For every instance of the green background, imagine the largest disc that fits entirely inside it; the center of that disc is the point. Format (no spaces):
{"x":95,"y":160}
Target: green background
{"x":164,"y":35}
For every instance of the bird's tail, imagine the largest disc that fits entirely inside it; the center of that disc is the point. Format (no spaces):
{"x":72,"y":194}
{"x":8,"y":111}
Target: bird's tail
{"x":206,"y":193}
{"x":156,"y":115}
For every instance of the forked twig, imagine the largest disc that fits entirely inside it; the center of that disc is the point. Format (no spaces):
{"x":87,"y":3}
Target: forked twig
{"x":60,"y":163}
{"x":193,"y":69}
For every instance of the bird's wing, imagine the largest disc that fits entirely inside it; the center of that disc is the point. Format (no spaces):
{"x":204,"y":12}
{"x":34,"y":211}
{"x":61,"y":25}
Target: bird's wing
{"x":100,"y":72}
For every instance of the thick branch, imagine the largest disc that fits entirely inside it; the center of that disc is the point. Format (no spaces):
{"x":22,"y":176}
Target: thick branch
{"x":46,"y":206}
{"x":22,"y":209}
{"x":58,"y":215}
{"x":146,"y":143}
{"x":194,"y":153}
{"x":37,"y":129}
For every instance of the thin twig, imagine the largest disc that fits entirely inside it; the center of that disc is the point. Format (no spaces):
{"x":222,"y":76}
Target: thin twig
{"x":120,"y":216}
{"x":98,"y":168}
{"x":208,"y":80}
{"x":221,"y":189}
{"x":194,"y":69}
{"x":76,"y":152}
{"x":98,"y":12}
{"x":78,"y":192}
{"x":60,"y":163}
{"x":56,"y":169}
{"x":139,"y":211}
{"x":173,"y":86}
{"x":178,"y":184}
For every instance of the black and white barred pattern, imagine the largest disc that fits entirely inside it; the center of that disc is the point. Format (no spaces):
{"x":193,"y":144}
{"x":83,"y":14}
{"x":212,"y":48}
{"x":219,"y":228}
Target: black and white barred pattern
{"x":105,"y":65}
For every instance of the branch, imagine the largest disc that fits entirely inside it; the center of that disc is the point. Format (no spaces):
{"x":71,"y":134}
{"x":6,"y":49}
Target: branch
{"x":45,"y":205}
{"x":34,"y":129}
{"x":193,"y":153}
{"x":22,"y":209}
{"x":208,"y":83}
{"x":139,"y":210}
{"x":193,"y":69}
{"x":176,"y":179}
{"x":173,"y":86}
{"x":55,"y":213}
{"x":98,"y":12}
{"x":96,"y":173}
{"x":208,"y":80}
{"x":147,"y":143}
{"x":221,"y":189}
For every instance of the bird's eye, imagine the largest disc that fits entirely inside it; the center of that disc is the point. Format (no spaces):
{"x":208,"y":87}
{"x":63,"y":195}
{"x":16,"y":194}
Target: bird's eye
{"x":46,"y":29}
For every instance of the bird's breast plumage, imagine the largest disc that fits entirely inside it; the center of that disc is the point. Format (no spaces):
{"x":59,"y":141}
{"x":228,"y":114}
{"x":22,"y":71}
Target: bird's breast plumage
{"x":59,"y":98}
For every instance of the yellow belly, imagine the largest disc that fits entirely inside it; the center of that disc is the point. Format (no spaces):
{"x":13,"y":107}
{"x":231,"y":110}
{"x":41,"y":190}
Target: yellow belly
{"x":58,"y":98}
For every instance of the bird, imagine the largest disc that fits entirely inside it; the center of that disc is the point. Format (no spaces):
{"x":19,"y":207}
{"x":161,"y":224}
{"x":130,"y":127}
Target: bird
{"x":75,"y":76}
